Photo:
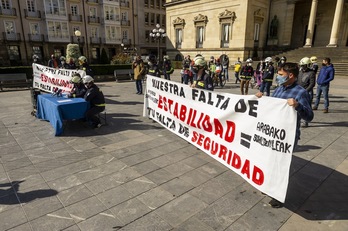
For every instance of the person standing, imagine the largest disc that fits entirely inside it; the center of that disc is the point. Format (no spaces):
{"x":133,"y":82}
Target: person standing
{"x":167,"y":68}
{"x":225,"y":62}
{"x":186,"y":70}
{"x":139,"y":71}
{"x":96,"y":100}
{"x":204,"y":80}
{"x":267,"y":77}
{"x":85,"y":66}
{"x":259,"y":72}
{"x":314,"y":65}
{"x":306,"y":79}
{"x":237,"y":67}
{"x":53,"y":62}
{"x":153,"y":66}
{"x":296,"y":96}
{"x":326,"y":75}
{"x":246,"y":75}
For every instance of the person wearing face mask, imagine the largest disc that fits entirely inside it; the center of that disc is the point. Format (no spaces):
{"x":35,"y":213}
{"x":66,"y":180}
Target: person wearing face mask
{"x":306,"y":79}
{"x":204,"y":80}
{"x":63,"y":64}
{"x":296,"y":96}
{"x":245,"y":76}
{"x":326,"y":75}
{"x":267,"y":77}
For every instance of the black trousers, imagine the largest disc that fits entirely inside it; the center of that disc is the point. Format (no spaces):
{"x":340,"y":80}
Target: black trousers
{"x":91,"y":114}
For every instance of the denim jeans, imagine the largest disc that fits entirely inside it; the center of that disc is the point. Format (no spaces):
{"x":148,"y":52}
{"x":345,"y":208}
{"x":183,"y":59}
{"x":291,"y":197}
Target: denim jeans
{"x":266,"y":85}
{"x":225,"y":72}
{"x":139,"y":86}
{"x":325,"y":90}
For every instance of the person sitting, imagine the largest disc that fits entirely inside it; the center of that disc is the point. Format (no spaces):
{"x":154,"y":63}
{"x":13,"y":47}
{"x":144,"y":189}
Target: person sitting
{"x":79,"y":89}
{"x":96,"y":99}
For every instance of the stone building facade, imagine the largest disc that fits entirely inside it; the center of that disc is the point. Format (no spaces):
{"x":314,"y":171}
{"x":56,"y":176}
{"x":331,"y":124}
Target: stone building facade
{"x":253,"y":28}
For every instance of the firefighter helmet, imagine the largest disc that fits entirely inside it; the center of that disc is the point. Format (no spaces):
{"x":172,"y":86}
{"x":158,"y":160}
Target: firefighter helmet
{"x":314,"y":59}
{"x":87,"y":79}
{"x":305,"y":61}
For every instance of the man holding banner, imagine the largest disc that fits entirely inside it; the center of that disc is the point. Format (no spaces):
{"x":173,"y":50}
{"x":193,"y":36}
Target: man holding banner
{"x":296,"y":96}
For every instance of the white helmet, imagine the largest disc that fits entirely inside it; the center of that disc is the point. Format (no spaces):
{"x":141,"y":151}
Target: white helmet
{"x":76,"y":78}
{"x":87,"y":79}
{"x":305,"y":61}
{"x":268,"y":60}
{"x":314,"y":59}
{"x":83,"y":59}
{"x":199,"y":61}
{"x":249,"y":60}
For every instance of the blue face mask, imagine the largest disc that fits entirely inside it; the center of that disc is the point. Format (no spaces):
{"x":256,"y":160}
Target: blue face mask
{"x":281,"y":79}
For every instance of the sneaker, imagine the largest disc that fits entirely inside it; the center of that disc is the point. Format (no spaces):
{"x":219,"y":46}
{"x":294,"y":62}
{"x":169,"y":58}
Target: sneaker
{"x":314,"y":108}
{"x":326,"y":111}
{"x":275,"y":203}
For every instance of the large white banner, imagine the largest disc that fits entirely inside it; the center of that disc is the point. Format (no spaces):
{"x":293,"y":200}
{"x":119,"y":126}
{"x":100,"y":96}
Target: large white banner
{"x":252,"y":136}
{"x":51,"y":79}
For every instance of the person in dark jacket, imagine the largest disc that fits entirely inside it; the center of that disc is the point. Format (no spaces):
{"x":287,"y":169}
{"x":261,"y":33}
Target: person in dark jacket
{"x":326,"y":75}
{"x":245,"y":76}
{"x":153,"y":66}
{"x":96,"y":99}
{"x":79,"y":89}
{"x":204,"y":80}
{"x":306,"y":79}
{"x":85,"y":66}
{"x":267,"y":77}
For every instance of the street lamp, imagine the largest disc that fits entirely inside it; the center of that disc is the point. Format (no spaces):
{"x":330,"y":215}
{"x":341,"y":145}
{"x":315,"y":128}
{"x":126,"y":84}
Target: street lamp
{"x":157,"y":34}
{"x":78,"y":35}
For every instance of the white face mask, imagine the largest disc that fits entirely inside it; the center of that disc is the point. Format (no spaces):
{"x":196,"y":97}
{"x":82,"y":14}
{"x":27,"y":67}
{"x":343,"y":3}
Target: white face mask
{"x":250,"y":64}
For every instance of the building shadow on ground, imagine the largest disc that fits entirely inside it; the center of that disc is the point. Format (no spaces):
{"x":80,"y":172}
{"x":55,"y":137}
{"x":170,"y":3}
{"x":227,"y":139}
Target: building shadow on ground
{"x":317,"y":192}
{"x":10,"y":195}
{"x":329,"y":124}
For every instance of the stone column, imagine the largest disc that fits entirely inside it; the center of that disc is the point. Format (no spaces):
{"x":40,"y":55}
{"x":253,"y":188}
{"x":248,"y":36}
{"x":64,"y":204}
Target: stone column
{"x":311,"y":24}
{"x":336,"y":23}
{"x":288,"y":24}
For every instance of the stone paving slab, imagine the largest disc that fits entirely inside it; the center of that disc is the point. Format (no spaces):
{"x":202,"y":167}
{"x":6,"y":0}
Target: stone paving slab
{"x":132,"y":174}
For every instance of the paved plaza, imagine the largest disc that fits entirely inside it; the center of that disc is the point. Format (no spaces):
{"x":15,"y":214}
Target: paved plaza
{"x":133,"y":174}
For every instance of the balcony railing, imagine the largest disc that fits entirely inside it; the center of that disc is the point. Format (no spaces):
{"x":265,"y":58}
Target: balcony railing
{"x":115,"y":2}
{"x":92,"y":1}
{"x":112,"y":40}
{"x":124,"y":3}
{"x":11,"y":36}
{"x":75,"y":18}
{"x":93,"y":19}
{"x":32,"y":14}
{"x":9,"y":12}
{"x":95,"y":40}
{"x":36,"y":37}
{"x":58,"y":38}
{"x":74,"y":39}
{"x":125,"y":23}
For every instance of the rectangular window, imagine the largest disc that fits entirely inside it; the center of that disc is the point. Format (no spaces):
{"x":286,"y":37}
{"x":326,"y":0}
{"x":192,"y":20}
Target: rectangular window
{"x":146,"y":3}
{"x":74,"y":10}
{"x":34,"y":28}
{"x":56,"y":7}
{"x":158,"y":4}
{"x":147,"y":35}
{"x":178,"y":37}
{"x":146,"y":18}
{"x":5,"y":4}
{"x":124,"y":16}
{"x":93,"y":12}
{"x":152,"y":19}
{"x":199,"y":36}
{"x":94,"y":32}
{"x":58,"y":29}
{"x":225,"y":32}
{"x":152,"y":3}
{"x":256,"y":32}
{"x":37,"y":51}
{"x":10,"y":27}
{"x":158,"y":19}
{"x":163,"y":20}
{"x":110,"y":13}
{"x":95,"y":53}
{"x":124,"y":34}
{"x":31,"y":5}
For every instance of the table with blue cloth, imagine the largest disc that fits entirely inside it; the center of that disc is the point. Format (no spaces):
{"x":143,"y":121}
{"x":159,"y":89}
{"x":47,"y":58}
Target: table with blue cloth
{"x":57,"y":109}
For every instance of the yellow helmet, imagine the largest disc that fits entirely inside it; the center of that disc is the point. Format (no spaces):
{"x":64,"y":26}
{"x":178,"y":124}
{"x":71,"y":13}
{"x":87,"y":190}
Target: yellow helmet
{"x":76,"y":78}
{"x":305,"y":61}
{"x":199,"y":61}
{"x":314,"y":59}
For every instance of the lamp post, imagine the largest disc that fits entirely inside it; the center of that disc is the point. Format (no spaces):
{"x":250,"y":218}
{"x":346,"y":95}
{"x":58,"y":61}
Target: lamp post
{"x":78,"y":35}
{"x":157,"y":34}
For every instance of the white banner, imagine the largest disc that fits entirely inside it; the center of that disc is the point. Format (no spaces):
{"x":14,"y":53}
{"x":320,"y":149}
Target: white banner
{"x":51,"y":79}
{"x":252,"y":136}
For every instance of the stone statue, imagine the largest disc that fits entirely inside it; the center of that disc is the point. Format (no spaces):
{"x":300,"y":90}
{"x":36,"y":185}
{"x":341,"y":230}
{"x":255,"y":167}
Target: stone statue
{"x":274,"y":28}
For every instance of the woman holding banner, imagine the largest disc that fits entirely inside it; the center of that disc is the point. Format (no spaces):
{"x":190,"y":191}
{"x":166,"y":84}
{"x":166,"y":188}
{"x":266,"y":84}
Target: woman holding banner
{"x":204,"y":80}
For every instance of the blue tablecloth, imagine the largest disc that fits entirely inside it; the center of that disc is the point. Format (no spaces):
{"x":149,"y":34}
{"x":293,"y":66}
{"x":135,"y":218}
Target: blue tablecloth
{"x":57,"y":109}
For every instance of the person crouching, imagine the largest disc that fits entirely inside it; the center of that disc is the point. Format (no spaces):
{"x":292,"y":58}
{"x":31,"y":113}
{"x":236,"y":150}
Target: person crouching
{"x":96,"y":99}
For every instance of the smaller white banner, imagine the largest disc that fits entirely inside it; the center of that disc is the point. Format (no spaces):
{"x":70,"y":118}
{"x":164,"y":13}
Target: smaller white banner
{"x":51,"y":79}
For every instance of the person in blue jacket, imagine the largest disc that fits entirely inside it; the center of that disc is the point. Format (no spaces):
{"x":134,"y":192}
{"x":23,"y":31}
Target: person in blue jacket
{"x":326,"y":75}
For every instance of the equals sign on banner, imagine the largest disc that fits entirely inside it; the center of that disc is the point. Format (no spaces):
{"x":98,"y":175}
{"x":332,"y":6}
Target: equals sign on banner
{"x":245,"y":140}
